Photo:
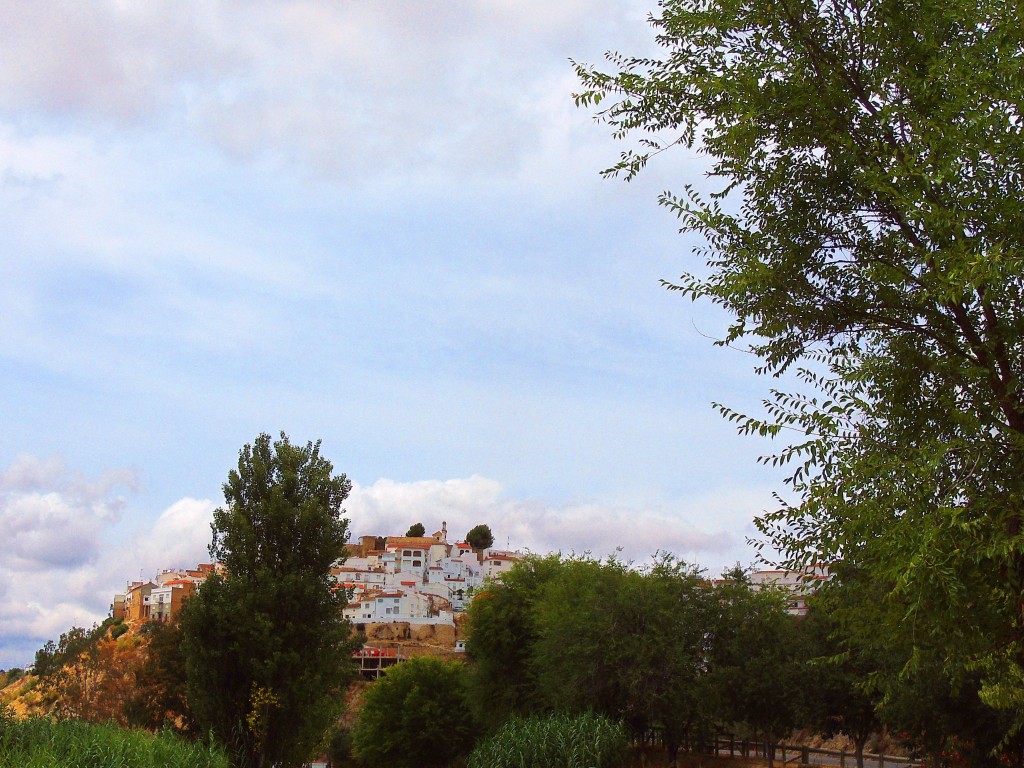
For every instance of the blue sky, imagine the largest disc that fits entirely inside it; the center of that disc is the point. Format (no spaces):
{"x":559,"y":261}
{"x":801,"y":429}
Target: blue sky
{"x":377,"y":224}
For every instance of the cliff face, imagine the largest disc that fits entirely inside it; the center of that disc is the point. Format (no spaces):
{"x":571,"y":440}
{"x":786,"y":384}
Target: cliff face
{"x":417,"y":639}
{"x":440,"y":637}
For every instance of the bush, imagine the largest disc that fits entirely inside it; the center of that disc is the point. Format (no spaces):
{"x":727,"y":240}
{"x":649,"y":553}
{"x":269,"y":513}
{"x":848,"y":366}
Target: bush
{"x":416,"y":715}
{"x":567,"y":741}
{"x":118,"y":630}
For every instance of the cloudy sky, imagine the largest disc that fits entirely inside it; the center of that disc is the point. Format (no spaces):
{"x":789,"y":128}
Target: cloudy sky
{"x":376,"y":223}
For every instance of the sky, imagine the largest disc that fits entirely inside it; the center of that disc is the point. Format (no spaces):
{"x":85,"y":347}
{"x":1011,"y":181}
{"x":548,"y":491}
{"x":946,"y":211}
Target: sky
{"x":376,"y":224}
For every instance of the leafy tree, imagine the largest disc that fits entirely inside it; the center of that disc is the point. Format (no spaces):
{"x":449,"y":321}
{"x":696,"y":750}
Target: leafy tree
{"x":266,"y":647}
{"x":754,"y":659}
{"x":416,"y":529}
{"x":867,"y":221}
{"x":947,"y":719}
{"x":53,"y":656}
{"x":629,"y":644}
{"x":158,"y":695}
{"x":502,"y":629}
{"x":416,"y":715}
{"x":480,"y":537}
{"x":840,"y":675}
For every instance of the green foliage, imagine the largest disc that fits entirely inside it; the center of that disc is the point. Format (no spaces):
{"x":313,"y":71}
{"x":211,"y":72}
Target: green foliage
{"x":339,"y":747}
{"x":118,"y":630}
{"x":630,"y":644}
{"x":568,"y":741}
{"x":840,"y":673}
{"x":158,"y":696}
{"x":266,"y":646}
{"x":416,"y":529}
{"x":867,"y":226}
{"x":480,"y":537}
{"x":755,"y":658}
{"x":54,"y":656}
{"x":417,"y":715}
{"x":43,"y":743}
{"x":654,"y":647}
{"x":502,"y":631}
{"x":946,"y":716}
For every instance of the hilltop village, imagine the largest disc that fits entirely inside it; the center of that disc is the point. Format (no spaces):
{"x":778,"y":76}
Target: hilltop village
{"x":419,"y":580}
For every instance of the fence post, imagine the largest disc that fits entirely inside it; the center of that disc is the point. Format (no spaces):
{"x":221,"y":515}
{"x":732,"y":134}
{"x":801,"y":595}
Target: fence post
{"x":732,"y":745}
{"x":805,"y":756}
{"x":744,"y":748}
{"x":842,"y":758}
{"x":881,"y":760}
{"x":783,"y":753}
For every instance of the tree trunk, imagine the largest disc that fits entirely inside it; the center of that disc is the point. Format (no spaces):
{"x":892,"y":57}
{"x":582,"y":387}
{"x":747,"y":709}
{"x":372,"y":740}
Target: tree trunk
{"x":858,"y":746}
{"x":673,"y":752}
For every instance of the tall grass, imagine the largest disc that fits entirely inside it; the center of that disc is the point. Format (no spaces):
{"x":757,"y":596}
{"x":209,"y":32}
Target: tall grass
{"x":45,"y":743}
{"x":557,"y":741}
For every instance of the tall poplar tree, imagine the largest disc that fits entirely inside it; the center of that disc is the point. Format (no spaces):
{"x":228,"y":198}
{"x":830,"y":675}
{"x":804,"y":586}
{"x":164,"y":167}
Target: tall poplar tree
{"x":266,"y":644}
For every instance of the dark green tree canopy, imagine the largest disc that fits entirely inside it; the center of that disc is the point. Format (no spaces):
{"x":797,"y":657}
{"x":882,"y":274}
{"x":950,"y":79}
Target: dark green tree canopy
{"x":266,"y":646}
{"x":282,"y":512}
{"x":416,"y":529}
{"x":416,"y":715}
{"x":480,"y":537}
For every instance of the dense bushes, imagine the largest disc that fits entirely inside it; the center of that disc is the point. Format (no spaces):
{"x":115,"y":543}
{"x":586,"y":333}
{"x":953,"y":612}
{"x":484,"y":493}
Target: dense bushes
{"x":580,"y":741}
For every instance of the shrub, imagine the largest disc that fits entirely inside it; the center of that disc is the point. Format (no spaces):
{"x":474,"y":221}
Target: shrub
{"x":567,"y":741}
{"x":118,"y":630}
{"x":416,"y":716}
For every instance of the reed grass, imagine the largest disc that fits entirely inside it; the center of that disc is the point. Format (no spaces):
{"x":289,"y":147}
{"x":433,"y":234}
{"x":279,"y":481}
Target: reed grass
{"x":557,"y":741}
{"x":44,"y":743}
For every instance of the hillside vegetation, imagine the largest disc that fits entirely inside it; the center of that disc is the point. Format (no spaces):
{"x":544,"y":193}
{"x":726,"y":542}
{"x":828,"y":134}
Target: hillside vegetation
{"x":111,"y":673}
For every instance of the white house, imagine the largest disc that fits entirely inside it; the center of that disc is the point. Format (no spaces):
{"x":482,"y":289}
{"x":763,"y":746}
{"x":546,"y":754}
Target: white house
{"x":799,"y":584}
{"x":496,"y":564}
{"x":391,"y":605}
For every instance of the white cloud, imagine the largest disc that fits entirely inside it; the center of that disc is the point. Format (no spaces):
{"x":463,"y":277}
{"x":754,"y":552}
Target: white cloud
{"x":179,"y":538}
{"x":51,"y":519}
{"x":59,"y":566}
{"x":347,"y":90}
{"x":710,"y":530}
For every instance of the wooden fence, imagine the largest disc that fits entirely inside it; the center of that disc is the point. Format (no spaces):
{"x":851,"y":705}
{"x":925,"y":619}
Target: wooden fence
{"x":786,"y":755}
